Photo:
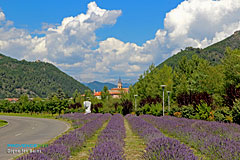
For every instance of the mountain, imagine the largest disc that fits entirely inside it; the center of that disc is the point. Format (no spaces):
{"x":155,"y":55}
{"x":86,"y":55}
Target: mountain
{"x":212,"y":53}
{"x":98,"y":86}
{"x":34,"y":79}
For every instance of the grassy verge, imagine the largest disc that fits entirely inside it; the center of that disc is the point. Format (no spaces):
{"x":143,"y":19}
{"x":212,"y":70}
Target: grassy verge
{"x":89,"y":144}
{"x":134,"y":145}
{"x":3,"y":123}
{"x":34,"y":115}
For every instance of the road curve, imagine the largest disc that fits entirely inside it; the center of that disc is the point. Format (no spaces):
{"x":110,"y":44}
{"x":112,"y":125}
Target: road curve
{"x":26,"y":130}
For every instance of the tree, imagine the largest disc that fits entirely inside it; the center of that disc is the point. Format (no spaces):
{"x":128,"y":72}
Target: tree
{"x":105,"y":95}
{"x":150,"y":82}
{"x":231,"y":64}
{"x":60,"y":94}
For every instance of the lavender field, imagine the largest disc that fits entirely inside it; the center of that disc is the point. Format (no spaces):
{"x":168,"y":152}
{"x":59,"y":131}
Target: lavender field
{"x":167,"y":138}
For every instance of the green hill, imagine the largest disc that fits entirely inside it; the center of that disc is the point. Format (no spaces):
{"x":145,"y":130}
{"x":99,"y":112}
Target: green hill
{"x":34,"y":79}
{"x":213,"y":53}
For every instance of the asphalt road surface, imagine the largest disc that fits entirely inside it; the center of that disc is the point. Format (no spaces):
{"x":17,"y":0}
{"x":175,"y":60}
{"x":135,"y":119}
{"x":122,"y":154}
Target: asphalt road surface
{"x":26,"y":130}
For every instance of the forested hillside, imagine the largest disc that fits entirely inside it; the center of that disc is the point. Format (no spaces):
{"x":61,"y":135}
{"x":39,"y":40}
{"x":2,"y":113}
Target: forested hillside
{"x":34,"y":79}
{"x":213,"y":53}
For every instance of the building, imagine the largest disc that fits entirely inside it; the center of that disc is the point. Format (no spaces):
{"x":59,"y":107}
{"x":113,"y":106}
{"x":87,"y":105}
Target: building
{"x":12,"y":100}
{"x":114,"y":92}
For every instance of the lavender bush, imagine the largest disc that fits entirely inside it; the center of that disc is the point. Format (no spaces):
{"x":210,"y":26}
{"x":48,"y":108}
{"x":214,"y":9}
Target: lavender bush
{"x":34,"y":156}
{"x":72,"y":141}
{"x":213,"y":139}
{"x":57,"y":152}
{"x":158,"y":146}
{"x":168,"y":148}
{"x":111,"y":141}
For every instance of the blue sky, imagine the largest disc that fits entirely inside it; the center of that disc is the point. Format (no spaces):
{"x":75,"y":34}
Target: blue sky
{"x":138,"y":22}
{"x":104,"y":39}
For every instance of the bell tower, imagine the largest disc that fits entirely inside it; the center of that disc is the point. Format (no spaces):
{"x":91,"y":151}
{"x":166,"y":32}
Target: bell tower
{"x":119,"y":83}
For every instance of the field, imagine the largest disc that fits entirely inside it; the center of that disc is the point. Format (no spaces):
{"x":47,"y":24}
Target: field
{"x":2,"y":123}
{"x":106,"y":136}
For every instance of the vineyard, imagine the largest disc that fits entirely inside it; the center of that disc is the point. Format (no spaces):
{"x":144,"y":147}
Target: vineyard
{"x":155,"y":138}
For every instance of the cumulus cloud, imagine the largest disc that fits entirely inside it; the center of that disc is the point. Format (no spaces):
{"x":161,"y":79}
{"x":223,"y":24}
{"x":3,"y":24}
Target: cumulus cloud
{"x":2,"y":16}
{"x":72,"y":45}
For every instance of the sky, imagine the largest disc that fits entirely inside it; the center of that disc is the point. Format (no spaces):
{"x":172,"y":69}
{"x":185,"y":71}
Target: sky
{"x":102,"y":40}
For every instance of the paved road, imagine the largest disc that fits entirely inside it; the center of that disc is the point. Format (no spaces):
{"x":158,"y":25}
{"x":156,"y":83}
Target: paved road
{"x":25,"y":130}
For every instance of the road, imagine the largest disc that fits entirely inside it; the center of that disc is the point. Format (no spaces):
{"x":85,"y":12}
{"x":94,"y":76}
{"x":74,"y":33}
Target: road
{"x":26,"y":130}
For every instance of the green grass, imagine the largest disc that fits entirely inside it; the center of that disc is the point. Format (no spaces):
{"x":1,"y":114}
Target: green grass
{"x":33,"y":115}
{"x":134,"y":145}
{"x":3,"y":123}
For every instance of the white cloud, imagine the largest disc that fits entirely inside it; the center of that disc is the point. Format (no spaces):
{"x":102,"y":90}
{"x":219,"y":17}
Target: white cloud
{"x":72,"y":45}
{"x":2,"y":16}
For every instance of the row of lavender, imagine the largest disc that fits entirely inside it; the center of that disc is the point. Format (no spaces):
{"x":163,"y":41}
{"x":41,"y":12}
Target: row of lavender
{"x":78,"y":119}
{"x":111,"y":141}
{"x":213,"y":139}
{"x":71,"y":142}
{"x":159,"y":146}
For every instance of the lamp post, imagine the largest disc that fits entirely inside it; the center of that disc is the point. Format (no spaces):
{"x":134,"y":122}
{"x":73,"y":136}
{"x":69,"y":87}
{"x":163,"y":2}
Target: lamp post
{"x":135,"y":96}
{"x":168,"y":92}
{"x":163,"y":86}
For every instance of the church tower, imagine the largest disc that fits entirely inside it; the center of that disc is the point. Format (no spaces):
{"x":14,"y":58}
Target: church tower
{"x":119,"y":83}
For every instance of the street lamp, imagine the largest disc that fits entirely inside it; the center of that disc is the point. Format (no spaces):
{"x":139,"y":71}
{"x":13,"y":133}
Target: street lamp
{"x":168,"y":92}
{"x":163,"y":86}
{"x":135,"y":102}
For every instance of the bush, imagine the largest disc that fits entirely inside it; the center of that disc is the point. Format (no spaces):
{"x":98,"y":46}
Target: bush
{"x":154,"y":109}
{"x":222,"y":114}
{"x":173,"y":109}
{"x":194,"y":99}
{"x":236,"y":112}
{"x":188,"y":112}
{"x":203,"y":112}
{"x":127,"y":107}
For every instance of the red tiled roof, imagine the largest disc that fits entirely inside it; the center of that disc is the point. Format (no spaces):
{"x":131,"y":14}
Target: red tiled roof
{"x":97,"y":94}
{"x":115,"y":93}
{"x":12,"y":99}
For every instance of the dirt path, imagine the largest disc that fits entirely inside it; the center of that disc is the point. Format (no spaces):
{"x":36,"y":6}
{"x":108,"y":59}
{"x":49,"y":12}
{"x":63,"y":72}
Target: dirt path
{"x":89,"y":144}
{"x":134,"y":145}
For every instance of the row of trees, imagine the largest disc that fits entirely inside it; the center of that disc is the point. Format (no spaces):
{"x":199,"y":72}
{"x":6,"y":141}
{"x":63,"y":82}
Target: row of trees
{"x":55,"y":103}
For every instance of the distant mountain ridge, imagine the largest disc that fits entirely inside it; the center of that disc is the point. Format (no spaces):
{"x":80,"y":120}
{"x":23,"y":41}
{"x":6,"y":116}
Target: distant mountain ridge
{"x":213,"y":53}
{"x":34,"y":79}
{"x":98,"y":86}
